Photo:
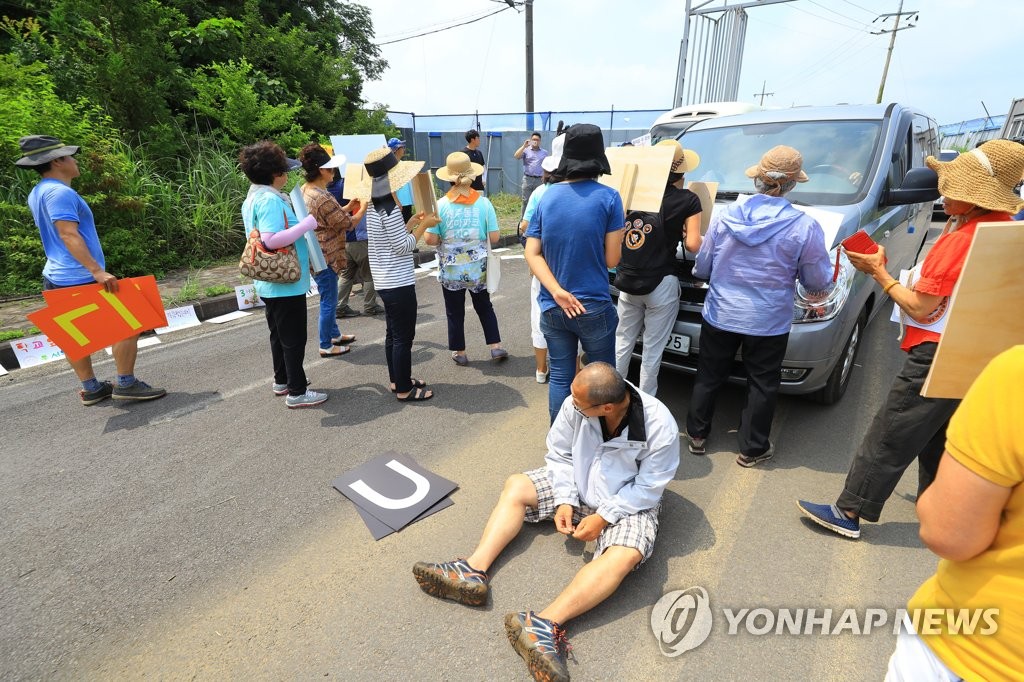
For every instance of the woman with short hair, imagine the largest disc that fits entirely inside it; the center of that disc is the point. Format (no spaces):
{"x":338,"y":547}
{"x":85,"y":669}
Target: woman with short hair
{"x":269,"y":211}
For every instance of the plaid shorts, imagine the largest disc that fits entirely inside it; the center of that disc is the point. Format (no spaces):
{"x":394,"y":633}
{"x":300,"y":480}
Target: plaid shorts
{"x":637,"y":531}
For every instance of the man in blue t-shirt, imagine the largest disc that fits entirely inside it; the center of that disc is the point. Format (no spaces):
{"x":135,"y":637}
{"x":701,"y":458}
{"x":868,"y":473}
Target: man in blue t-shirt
{"x":74,"y":257}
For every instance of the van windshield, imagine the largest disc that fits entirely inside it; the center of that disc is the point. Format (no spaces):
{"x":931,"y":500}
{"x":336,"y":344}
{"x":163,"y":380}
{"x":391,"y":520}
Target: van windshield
{"x":837,"y":156}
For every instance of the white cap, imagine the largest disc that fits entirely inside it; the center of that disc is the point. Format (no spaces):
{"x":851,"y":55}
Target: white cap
{"x":337,"y":161}
{"x":550,"y":162}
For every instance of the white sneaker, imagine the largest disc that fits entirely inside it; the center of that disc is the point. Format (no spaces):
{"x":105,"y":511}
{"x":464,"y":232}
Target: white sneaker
{"x":307,"y":399}
{"x":542,"y":377}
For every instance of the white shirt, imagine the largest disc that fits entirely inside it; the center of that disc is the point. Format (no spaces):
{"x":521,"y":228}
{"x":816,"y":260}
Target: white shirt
{"x":618,"y":477}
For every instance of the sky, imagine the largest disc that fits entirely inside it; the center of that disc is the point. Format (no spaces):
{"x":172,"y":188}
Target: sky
{"x":599,"y":54}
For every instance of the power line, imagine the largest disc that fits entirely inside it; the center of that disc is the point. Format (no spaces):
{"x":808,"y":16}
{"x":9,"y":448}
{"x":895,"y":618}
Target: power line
{"x":446,"y":28}
{"x":818,"y":16}
{"x":826,"y":61}
{"x":869,"y":11}
{"x":829,"y":9}
{"x":436,"y":24}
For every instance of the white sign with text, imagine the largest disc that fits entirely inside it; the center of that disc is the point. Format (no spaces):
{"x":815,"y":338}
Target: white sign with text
{"x":180,"y":318}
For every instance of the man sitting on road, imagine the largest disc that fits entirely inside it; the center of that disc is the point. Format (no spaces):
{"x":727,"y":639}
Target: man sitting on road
{"x":611,"y":452}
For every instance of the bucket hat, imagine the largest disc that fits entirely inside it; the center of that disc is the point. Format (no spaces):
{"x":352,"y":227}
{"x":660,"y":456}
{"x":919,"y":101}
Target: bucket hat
{"x":779,"y":163}
{"x":583,"y":152}
{"x":39,"y":149}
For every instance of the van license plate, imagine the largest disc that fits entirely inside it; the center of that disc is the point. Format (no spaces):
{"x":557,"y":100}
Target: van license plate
{"x":678,"y":343}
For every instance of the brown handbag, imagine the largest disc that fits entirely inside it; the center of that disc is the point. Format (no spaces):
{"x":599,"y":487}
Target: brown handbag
{"x":269,"y":265}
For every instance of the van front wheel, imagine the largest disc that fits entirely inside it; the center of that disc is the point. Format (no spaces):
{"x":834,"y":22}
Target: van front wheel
{"x":839,"y":379}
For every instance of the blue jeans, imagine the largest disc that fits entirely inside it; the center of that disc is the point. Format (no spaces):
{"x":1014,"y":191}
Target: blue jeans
{"x":327,"y":283}
{"x":594,"y":330}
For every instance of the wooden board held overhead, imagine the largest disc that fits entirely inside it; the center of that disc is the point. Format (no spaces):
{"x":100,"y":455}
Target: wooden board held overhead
{"x":985,"y":311}
{"x":650,"y":165}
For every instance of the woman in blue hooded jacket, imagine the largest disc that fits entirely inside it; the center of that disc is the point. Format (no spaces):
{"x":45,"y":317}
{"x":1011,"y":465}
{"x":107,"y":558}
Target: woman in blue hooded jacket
{"x":752,"y":255}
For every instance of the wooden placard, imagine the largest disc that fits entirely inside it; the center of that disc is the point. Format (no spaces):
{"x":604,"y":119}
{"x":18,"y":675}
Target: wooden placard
{"x":423,"y":193}
{"x":646,"y":190}
{"x":985,"y":311}
{"x":357,"y":183}
{"x":706,"y":192}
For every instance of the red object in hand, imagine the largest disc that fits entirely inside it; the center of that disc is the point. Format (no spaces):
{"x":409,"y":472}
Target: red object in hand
{"x":860,"y":242}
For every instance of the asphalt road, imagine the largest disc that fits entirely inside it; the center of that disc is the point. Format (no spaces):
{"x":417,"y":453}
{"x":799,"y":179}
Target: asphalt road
{"x":198,"y":536}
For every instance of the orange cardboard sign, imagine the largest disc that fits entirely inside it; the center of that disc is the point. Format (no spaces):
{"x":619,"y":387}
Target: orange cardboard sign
{"x":82,"y":320}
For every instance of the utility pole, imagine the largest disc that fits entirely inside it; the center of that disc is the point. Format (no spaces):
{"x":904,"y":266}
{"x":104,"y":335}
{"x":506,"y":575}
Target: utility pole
{"x":529,"y":56}
{"x":763,"y":94}
{"x":892,"y":40}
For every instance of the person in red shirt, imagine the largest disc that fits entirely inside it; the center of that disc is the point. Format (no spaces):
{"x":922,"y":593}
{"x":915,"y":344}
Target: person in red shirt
{"x":978,"y":187}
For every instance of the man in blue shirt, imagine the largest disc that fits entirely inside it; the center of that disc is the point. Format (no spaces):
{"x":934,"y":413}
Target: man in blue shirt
{"x":533,"y":175}
{"x":74,"y":257}
{"x":404,"y":193}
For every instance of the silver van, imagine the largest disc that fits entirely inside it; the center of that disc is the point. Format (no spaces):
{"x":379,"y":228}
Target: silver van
{"x":866,"y":169}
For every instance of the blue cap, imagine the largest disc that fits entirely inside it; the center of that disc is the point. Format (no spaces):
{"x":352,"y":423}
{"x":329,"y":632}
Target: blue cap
{"x":395,"y":143}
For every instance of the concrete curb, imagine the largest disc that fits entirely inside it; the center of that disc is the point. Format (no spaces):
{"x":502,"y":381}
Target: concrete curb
{"x":227,"y":303}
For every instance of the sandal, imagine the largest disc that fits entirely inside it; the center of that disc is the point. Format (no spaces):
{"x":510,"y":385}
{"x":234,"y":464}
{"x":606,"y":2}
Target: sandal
{"x":416,"y":395}
{"x":416,"y":383}
{"x":334,"y":352}
{"x":344,"y":339}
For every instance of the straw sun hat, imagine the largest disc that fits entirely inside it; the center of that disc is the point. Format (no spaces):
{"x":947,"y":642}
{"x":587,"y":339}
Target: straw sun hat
{"x":683,"y":160}
{"x":458,"y":165}
{"x":378,"y":165}
{"x":984,"y":176}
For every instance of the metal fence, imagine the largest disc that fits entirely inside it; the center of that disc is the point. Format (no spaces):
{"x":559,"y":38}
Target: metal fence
{"x":432,"y":138}
{"x":969,"y":134}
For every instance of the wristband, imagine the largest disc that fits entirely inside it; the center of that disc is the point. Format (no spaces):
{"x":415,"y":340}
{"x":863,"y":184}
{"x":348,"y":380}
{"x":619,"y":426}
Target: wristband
{"x":890,"y":286}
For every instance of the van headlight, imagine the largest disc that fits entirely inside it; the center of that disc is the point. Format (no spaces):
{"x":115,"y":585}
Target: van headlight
{"x":818,"y":307}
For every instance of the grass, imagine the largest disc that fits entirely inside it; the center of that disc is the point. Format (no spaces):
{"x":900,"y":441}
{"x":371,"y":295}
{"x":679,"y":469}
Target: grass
{"x":12,"y":334}
{"x":509,"y":208}
{"x":188,"y":292}
{"x":217,"y":290}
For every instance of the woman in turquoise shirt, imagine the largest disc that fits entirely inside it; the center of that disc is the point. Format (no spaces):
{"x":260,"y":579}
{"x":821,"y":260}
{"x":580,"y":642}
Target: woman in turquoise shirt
{"x":269,"y":211}
{"x":468,"y":222}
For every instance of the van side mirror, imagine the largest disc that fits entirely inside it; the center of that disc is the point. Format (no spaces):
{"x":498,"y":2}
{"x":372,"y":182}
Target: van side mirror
{"x":920,"y":185}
